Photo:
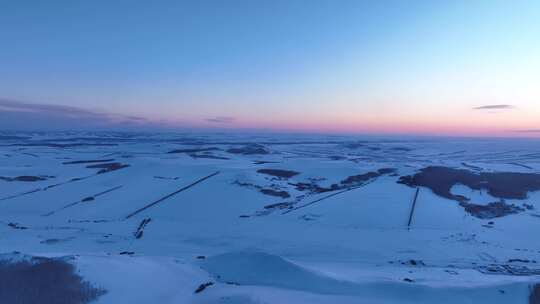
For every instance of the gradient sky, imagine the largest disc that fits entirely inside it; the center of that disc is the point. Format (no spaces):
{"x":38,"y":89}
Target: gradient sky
{"x":421,"y":67}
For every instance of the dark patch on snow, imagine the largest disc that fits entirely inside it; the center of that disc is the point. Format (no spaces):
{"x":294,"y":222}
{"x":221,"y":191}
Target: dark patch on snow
{"x":195,"y":150}
{"x":253,"y":149}
{"x":313,"y":187}
{"x":413,"y":263}
{"x":208,"y":156}
{"x":203,"y":286}
{"x":286,"y":174}
{"x":521,"y":261}
{"x":384,"y":171}
{"x":528,"y":206}
{"x":26,"y":178}
{"x":272,"y":192}
{"x":90,"y":221}
{"x":262,"y":162}
{"x":55,"y":241}
{"x":503,"y":185}
{"x":30,"y":154}
{"x":57,"y":145}
{"x":107,"y":167}
{"x":76,"y":162}
{"x":168,"y":178}
{"x":349,"y":182}
{"x":506,"y":269}
{"x":337,"y":157}
{"x":491,"y":210}
{"x":534,"y":297}
{"x":521,"y":165}
{"x":45,"y":281}
{"x":17,"y":226}
{"x":357,"y":179}
{"x":140,"y":229}
{"x":278,"y":206}
{"x":309,"y":217}
{"x":401,"y":149}
{"x":353,"y":145}
{"x":267,"y":191}
{"x":14,"y":137}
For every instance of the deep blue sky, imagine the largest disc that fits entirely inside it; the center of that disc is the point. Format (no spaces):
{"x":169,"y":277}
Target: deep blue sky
{"x":316,"y":65}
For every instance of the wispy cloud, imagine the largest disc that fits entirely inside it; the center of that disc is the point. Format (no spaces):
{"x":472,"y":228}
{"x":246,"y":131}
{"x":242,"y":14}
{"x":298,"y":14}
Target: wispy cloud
{"x":136,"y":118}
{"x":221,"y":119}
{"x":7,"y":105}
{"x":495,"y":107}
{"x":528,"y":131}
{"x":24,"y":115}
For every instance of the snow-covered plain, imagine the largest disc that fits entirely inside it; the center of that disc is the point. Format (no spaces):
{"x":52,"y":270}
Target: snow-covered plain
{"x":314,"y":227}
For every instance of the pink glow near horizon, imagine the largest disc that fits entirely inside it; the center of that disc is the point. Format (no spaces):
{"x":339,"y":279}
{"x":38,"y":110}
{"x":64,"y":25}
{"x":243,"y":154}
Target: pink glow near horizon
{"x":362,"y":126}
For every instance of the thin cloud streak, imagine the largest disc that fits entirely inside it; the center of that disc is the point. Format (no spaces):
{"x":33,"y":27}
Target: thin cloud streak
{"x":32,"y":116}
{"x":528,"y":131}
{"x":221,"y":119}
{"x":495,"y":107}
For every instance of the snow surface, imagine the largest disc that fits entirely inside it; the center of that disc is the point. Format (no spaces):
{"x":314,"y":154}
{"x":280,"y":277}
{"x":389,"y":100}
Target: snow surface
{"x":352,"y":247}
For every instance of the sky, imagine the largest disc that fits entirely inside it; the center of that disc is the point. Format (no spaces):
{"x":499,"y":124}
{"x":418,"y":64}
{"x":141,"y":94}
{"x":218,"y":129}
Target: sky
{"x":465,"y":68}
